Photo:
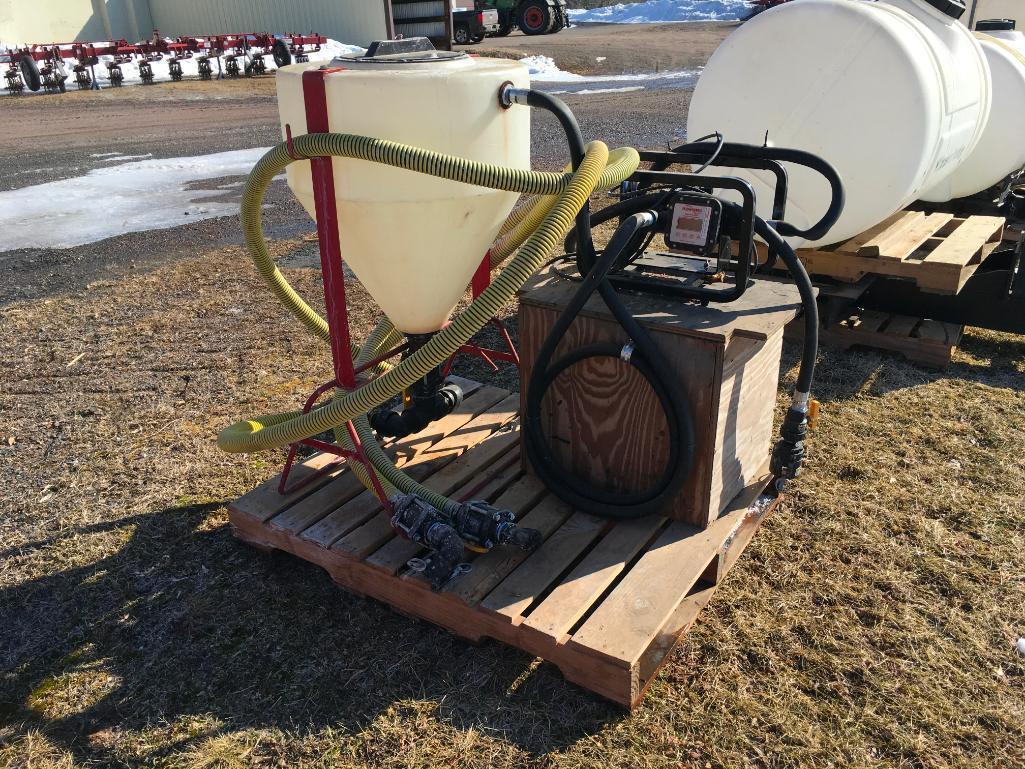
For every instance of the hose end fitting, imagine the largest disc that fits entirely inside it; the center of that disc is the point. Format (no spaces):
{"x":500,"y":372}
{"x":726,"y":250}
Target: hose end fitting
{"x":486,"y":526}
{"x":425,"y":525}
{"x":508,"y":95}
{"x":788,"y":453}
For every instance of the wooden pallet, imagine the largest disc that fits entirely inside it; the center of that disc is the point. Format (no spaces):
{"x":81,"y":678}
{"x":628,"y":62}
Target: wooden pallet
{"x":940,"y":252}
{"x":604,"y":601}
{"x":926,"y":342}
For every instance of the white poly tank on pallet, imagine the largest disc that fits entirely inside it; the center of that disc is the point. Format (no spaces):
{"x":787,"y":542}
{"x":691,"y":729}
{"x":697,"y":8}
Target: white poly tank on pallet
{"x":414,"y":240}
{"x":1001,"y":150}
{"x":893,"y":94}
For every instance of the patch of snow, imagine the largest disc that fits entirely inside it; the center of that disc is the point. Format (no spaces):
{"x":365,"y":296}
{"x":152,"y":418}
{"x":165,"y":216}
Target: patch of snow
{"x":103,"y":154}
{"x":585,"y":91}
{"x":543,"y":69}
{"x":126,"y":157}
{"x":142,"y":195}
{"x":1020,"y":646}
{"x":659,"y":11}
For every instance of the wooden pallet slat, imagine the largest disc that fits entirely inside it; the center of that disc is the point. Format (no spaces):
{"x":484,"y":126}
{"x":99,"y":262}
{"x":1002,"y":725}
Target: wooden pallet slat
{"x":937,"y":331}
{"x":926,"y":342}
{"x":901,"y":326}
{"x":938,"y":251}
{"x":853,"y":245}
{"x":622,"y":627}
{"x":964,"y":246}
{"x":570,"y":600}
{"x":868,"y":321}
{"x":893,"y":236}
{"x":560,"y":601}
{"x":915,"y":231}
{"x":542,"y":568}
{"x":264,"y":502}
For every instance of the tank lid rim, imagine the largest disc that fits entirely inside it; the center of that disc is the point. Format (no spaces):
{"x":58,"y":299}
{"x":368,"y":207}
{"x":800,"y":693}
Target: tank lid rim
{"x":995,"y":25}
{"x":955,"y":9}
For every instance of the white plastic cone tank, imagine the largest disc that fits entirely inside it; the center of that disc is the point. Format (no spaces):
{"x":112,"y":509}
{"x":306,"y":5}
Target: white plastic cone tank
{"x":1001,"y":150}
{"x":414,"y":241}
{"x":894,"y":95}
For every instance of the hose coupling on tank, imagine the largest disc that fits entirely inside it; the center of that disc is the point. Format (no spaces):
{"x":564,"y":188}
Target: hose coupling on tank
{"x":788,"y":453}
{"x":508,"y":95}
{"x":426,"y":400}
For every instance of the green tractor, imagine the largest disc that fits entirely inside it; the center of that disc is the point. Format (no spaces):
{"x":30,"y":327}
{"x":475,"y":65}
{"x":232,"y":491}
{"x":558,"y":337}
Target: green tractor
{"x":533,"y":17}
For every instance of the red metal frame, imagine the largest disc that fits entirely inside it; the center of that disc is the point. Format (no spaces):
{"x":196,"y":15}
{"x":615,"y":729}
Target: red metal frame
{"x":479,"y":284}
{"x":315,"y":99}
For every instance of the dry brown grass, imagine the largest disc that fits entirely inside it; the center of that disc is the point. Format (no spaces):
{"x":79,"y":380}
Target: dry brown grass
{"x":871,"y":623}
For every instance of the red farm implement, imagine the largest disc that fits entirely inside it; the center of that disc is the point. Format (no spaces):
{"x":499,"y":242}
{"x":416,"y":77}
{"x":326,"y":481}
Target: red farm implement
{"x":48,"y":66}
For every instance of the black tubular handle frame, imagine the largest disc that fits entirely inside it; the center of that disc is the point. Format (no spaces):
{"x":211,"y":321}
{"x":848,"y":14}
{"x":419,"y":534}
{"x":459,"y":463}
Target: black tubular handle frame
{"x":663,"y":161}
{"x":768,"y":159}
{"x":586,"y":260}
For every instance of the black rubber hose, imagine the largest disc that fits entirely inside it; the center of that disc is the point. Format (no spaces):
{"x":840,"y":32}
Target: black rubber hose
{"x":568,"y":121}
{"x":582,"y":493}
{"x":616,"y":210}
{"x":672,"y":397}
{"x":806,"y":373}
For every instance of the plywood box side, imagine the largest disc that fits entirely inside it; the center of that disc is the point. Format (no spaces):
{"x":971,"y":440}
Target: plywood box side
{"x":622,"y":442}
{"x":744,"y":419}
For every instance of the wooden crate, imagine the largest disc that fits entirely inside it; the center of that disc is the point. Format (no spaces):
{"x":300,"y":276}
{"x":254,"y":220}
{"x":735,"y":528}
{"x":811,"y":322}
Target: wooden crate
{"x":927,"y":342}
{"x":604,"y":421}
{"x":604,"y":601}
{"x":940,"y":252}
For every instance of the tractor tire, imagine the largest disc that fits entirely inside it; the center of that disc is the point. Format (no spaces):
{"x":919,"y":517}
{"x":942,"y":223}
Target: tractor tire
{"x":30,"y":72}
{"x":535,"y":17}
{"x":563,"y":17}
{"x":504,"y":28}
{"x":461,"y":34}
{"x":558,"y":20}
{"x":477,"y":38}
{"x":280,"y":53}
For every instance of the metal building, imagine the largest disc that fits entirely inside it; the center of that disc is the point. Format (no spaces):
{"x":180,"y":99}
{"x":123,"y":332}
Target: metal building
{"x":350,"y":21}
{"x":60,"y":21}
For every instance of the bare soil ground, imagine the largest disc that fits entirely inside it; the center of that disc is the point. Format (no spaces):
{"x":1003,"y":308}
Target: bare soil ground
{"x":615,"y":49}
{"x":871,"y":623}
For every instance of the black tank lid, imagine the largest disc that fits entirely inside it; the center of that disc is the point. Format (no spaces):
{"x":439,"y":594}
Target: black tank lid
{"x":953,"y":8}
{"x":411,"y":50}
{"x":994,"y":25}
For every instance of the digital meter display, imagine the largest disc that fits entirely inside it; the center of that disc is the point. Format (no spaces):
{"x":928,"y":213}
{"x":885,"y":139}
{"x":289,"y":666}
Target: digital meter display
{"x":694,"y":226}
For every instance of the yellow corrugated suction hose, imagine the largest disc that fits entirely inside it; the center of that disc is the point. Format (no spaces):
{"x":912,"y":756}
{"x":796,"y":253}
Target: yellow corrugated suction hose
{"x":539,"y":229}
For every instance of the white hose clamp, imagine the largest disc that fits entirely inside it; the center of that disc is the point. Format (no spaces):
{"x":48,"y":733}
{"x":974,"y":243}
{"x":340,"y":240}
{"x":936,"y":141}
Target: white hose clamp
{"x":627,"y":352}
{"x":800,"y":401}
